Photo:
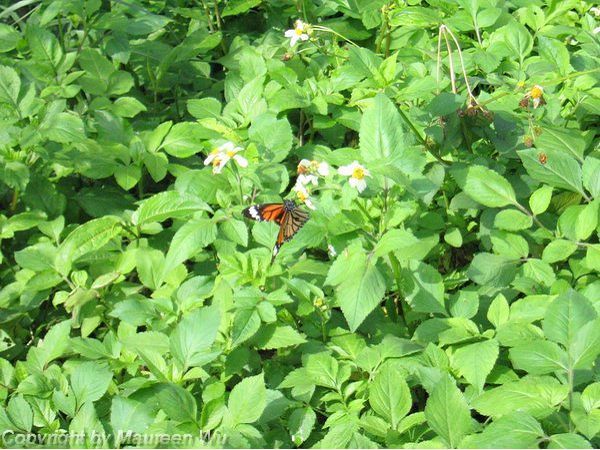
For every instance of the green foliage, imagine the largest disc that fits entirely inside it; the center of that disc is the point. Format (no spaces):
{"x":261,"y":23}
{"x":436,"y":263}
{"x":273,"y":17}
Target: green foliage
{"x":444,"y":292}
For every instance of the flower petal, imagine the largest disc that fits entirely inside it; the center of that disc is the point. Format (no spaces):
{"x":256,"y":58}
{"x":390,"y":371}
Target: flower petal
{"x":361,"y":185}
{"x":323,"y":169}
{"x":289,"y":33}
{"x":345,"y":170}
{"x":242,"y":162}
{"x":304,"y":37}
{"x":210,"y":158}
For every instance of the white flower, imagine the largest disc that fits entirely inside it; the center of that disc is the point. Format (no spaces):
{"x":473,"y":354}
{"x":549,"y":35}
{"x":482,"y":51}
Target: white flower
{"x":300,"y":31}
{"x":595,"y":11}
{"x":222,"y":154}
{"x":357,"y":174}
{"x":303,"y":195}
{"x":323,"y":169}
{"x":308,"y":171}
{"x":304,"y":179}
{"x":331,"y":250}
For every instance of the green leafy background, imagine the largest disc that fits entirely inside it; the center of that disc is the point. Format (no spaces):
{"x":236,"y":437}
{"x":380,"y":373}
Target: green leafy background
{"x":461,"y":306}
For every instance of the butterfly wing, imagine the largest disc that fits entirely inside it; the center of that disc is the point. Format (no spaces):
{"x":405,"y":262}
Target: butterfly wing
{"x":290,"y":223}
{"x":273,"y":212}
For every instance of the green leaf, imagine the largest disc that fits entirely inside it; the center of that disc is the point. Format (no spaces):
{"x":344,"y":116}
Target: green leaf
{"x":568,"y":440}
{"x":165,"y":205}
{"x":64,"y":128}
{"x":8,"y":38}
{"x":381,"y":136}
{"x":512,"y":220}
{"x":237,"y":7}
{"x":585,"y":347}
{"x":202,"y":108}
{"x":537,"y":396}
{"x":591,"y":175}
{"x":129,"y":415}
{"x":558,"y":250}
{"x":447,"y":412}
{"x":423,"y":288}
{"x":359,"y":285}
{"x":485,"y":186}
{"x":566,"y":315}
{"x":389,"y":395}
{"x":492,"y":270}
{"x":540,"y":199}
{"x":539,"y":357}
{"x":194,"y":335}
{"x":560,"y":170}
{"x":556,"y":53}
{"x":515,"y":430}
{"x":20,"y":414}
{"x":578,"y":222}
{"x":517,"y":39}
{"x":498,"y":311}
{"x":44,"y":47}
{"x":277,"y":336}
{"x":184,"y":139}
{"x":177,"y":403}
{"x":301,"y":423}
{"x":86,"y":238}
{"x":90,"y":381}
{"x":10,"y":86}
{"x":569,"y":141}
{"x":475,"y":361}
{"x":273,"y":135}
{"x":246,"y":323}
{"x":248,"y":399}
{"x":128,"y":107}
{"x":192,"y":237}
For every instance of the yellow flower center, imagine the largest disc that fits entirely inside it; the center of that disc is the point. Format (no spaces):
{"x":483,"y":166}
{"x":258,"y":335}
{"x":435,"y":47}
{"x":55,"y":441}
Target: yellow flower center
{"x":302,"y":196}
{"x":299,"y":31}
{"x":536,"y":92}
{"x":358,"y":173}
{"x":230,"y":153}
{"x":216,"y":162}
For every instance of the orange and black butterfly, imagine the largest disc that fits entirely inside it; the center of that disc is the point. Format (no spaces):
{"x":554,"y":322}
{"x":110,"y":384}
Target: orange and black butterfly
{"x":287,"y":214}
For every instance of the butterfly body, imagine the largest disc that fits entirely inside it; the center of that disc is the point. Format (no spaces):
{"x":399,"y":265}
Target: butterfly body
{"x":287,"y":215}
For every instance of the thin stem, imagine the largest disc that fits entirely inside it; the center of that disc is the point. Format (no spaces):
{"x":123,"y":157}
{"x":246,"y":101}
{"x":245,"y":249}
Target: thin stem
{"x":382,"y":30}
{"x":462,"y":63}
{"x":14,"y":200}
{"x":329,"y":30}
{"x":439,"y":60}
{"x":450,"y":63}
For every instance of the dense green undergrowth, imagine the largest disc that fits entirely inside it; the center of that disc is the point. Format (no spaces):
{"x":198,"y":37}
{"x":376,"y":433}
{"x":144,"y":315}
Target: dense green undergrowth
{"x":443,"y":293}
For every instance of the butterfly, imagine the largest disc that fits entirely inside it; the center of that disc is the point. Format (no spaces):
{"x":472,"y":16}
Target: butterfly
{"x":287,"y":214}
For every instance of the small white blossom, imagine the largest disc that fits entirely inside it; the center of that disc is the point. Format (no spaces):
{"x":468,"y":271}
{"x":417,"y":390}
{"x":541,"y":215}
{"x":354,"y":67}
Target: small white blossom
{"x":357,"y":174}
{"x":331,"y":251}
{"x":300,"y":32}
{"x":304,"y":179}
{"x":309,"y":172}
{"x":323,"y":169}
{"x":595,"y":11}
{"x":303,"y":195}
{"x":221,"y":155}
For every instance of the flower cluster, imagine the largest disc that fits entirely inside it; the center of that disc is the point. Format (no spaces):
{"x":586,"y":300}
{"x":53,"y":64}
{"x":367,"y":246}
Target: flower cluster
{"x":309,"y":171}
{"x":222,"y":154}
{"x":308,"y":175}
{"x":536,"y":95}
